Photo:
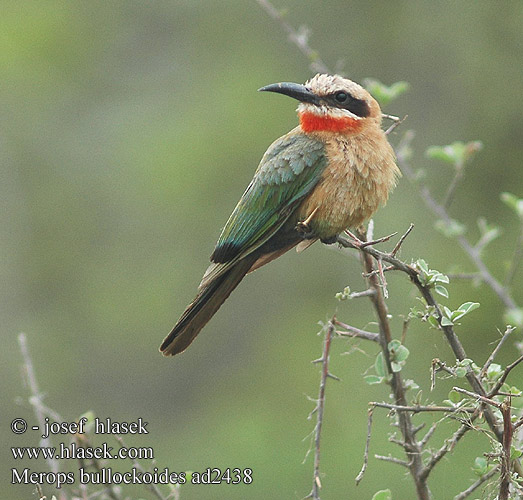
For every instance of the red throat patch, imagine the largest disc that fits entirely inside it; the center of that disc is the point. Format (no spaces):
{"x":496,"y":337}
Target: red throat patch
{"x":311,"y":122}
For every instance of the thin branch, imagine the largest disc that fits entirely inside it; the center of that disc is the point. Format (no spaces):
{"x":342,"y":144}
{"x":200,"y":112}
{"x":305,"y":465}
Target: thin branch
{"x":479,"y":397}
{"x":504,"y":376}
{"x":351,"y":331}
{"x":36,"y":398}
{"x":411,"y":447}
{"x":394,"y":460}
{"x":401,"y":240}
{"x":320,"y":407}
{"x":365,"y":293}
{"x":508,"y":429}
{"x":396,"y":122}
{"x":450,"y":444}
{"x":449,"y":196}
{"x":474,"y":486}
{"x":423,"y":442}
{"x":298,"y":38}
{"x":359,"y":477}
{"x":494,"y":353}
{"x":419,"y":408}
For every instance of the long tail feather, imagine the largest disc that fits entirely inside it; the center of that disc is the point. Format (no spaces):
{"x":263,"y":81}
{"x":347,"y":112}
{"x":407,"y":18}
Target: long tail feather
{"x":203,"y":307}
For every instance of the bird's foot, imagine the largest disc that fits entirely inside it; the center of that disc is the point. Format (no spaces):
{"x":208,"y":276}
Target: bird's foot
{"x":304,"y":229}
{"x":358,"y":243}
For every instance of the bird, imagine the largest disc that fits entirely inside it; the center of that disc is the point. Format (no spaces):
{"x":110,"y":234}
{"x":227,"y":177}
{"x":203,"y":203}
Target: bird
{"x":328,"y":174}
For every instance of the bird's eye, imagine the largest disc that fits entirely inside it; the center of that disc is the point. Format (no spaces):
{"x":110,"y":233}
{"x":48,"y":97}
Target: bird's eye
{"x":341,"y":97}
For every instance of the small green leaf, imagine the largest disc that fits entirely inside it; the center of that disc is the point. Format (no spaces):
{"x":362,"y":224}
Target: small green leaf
{"x":379,"y":365}
{"x":394,"y":344}
{"x":382,"y":495}
{"x":442,"y":278}
{"x":515,"y":453}
{"x":446,"y":321}
{"x":454,"y":396}
{"x":344,"y":295}
{"x":511,"y":390}
{"x":443,"y":153}
{"x":460,"y":372}
{"x":464,"y":309}
{"x":514,"y":317}
{"x":442,"y":291}
{"x":410,"y":384}
{"x":402,"y":353}
{"x":480,"y":466}
{"x":373,"y":379}
{"x":433,"y":322}
{"x":450,"y":229}
{"x":422,"y":265}
{"x":456,"y":153}
{"x":383,"y":93}
{"x":396,"y":367}
{"x":494,"y":371}
{"x":513,"y":202}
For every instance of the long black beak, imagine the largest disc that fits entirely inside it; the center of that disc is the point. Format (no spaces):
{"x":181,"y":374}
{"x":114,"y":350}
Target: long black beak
{"x":294,"y":90}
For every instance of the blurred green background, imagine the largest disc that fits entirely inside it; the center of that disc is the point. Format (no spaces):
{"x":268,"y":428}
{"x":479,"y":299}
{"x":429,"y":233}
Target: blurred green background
{"x":129,"y":129}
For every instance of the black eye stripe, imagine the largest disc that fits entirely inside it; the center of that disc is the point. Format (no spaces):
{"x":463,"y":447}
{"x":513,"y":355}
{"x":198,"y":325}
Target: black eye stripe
{"x":359,"y":107}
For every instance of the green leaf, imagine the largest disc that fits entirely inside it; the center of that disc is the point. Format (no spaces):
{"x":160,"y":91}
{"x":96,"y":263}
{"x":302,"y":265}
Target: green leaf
{"x":464,"y":309}
{"x":515,"y":453}
{"x":383,"y":93}
{"x":480,"y":466}
{"x":379,"y":365}
{"x":410,"y":384}
{"x":454,"y":396}
{"x":373,"y":379}
{"x":514,"y":316}
{"x":514,"y":203}
{"x":446,"y":321}
{"x":442,"y":291}
{"x":448,"y":154}
{"x":456,"y":153}
{"x":442,"y":278}
{"x":344,"y":295}
{"x":402,"y":353}
{"x":494,"y":371}
{"x":450,"y":229}
{"x":460,"y":372}
{"x":382,"y":495}
{"x":433,"y":322}
{"x":396,"y":367}
{"x":421,"y":264}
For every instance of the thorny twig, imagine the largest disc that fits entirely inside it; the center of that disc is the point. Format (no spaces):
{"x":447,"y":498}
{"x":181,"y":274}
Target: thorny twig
{"x":36,"y":398}
{"x":421,"y":408}
{"x":411,"y":446}
{"x":474,"y":486}
{"x":494,"y":353}
{"x":351,"y":331}
{"x":320,"y":407}
{"x":359,"y":477}
{"x":298,"y":38}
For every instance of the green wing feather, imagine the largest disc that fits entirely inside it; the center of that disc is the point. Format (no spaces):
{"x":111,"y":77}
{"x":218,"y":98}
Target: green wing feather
{"x":288,"y":171}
